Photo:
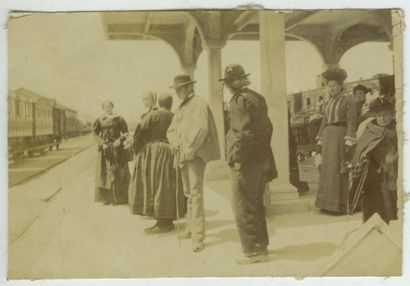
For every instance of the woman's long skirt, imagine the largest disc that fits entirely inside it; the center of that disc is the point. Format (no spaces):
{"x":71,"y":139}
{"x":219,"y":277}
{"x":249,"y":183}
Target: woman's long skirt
{"x":111,"y":183}
{"x":334,"y":180}
{"x":377,"y":197}
{"x":154,"y":187}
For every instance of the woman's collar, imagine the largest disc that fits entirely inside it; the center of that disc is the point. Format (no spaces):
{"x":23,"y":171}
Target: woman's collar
{"x":109,"y":116}
{"x":337,"y":95}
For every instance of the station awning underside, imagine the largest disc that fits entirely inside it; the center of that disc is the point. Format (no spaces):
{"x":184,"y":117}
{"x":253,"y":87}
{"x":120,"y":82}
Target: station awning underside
{"x":332,"y":32}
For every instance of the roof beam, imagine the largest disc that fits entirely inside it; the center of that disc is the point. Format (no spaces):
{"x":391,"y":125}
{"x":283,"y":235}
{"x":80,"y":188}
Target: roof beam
{"x":294,"y":21}
{"x":244,"y":19}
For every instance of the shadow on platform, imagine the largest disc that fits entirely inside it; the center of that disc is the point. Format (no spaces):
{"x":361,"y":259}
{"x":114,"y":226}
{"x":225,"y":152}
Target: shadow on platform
{"x":303,"y":252}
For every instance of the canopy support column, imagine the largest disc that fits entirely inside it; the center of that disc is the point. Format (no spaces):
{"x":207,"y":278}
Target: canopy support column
{"x":215,"y":90}
{"x":273,"y":71}
{"x":189,"y":69}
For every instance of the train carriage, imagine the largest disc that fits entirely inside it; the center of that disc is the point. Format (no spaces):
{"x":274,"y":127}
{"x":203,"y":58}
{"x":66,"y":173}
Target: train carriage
{"x":71,"y":125}
{"x":21,"y":111}
{"x":58,"y":124}
{"x":36,"y":123}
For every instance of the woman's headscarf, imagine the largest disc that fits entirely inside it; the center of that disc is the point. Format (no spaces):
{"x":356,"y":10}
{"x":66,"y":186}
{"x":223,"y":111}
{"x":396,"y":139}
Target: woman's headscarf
{"x":153,"y":96}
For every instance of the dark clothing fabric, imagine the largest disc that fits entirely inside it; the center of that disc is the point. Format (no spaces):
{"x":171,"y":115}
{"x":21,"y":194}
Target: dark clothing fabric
{"x":338,"y":128}
{"x":152,"y":128}
{"x":112,"y":173}
{"x":250,"y":130}
{"x":248,"y":185}
{"x":340,"y":109}
{"x":252,"y":165}
{"x":375,"y":163}
{"x":153,"y":188}
{"x":333,"y":179}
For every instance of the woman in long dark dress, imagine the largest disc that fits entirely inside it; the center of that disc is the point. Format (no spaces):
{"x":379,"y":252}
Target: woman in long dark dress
{"x":112,"y":176}
{"x":336,"y":137}
{"x":153,"y":188}
{"x":149,"y":99}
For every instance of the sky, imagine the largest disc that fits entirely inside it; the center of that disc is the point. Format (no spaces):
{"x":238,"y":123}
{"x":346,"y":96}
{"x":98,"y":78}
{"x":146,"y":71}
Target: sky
{"x":67,"y":57}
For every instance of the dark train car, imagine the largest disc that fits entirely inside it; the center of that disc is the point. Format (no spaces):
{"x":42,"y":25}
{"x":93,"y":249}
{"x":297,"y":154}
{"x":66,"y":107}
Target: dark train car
{"x":35,"y":123}
{"x":21,"y":110}
{"x":58,"y":124}
{"x":42,"y":121}
{"x":72,"y":127}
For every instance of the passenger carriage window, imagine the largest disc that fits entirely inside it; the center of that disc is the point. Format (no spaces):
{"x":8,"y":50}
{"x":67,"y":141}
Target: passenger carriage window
{"x":17,"y":107}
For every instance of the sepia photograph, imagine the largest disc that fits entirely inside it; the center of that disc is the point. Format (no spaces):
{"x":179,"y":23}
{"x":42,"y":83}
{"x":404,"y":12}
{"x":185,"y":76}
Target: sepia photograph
{"x":205,"y":143}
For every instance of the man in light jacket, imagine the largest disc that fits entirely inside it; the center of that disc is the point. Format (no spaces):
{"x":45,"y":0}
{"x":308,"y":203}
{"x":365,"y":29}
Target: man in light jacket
{"x":193,"y":136}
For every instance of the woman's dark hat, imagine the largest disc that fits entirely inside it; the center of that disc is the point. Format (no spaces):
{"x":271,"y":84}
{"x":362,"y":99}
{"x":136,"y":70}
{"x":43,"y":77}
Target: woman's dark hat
{"x":380,"y":104}
{"x":181,"y":80}
{"x":362,"y":88}
{"x":234,"y":72}
{"x":337,"y":74}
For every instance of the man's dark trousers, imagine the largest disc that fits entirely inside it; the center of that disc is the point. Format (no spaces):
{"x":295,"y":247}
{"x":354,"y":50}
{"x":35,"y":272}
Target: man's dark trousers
{"x":248,"y":185}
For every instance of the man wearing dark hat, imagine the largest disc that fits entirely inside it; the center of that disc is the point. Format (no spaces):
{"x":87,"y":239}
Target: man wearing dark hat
{"x":251,"y":160}
{"x":194,"y":136}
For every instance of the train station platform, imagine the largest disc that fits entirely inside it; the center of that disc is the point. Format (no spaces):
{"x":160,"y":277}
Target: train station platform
{"x":56,"y":230}
{"x":27,"y":167}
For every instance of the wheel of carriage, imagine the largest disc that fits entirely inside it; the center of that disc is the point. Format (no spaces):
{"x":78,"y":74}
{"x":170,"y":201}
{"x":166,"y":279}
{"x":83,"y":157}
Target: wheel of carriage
{"x":300,"y":156}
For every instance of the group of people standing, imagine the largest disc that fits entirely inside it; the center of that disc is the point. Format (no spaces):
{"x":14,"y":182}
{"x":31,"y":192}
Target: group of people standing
{"x":358,"y":169}
{"x":169,"y":154}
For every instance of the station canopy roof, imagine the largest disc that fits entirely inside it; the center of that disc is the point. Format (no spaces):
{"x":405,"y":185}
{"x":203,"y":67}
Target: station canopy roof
{"x":332,"y":32}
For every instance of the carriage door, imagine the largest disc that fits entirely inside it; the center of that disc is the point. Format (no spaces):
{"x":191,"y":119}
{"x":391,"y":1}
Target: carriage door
{"x":33,"y":109}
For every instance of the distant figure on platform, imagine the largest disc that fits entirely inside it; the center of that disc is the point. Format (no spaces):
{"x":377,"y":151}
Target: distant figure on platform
{"x":153,"y":187}
{"x":250,"y":157}
{"x":359,"y":97}
{"x":112,"y":175}
{"x":375,"y":164}
{"x":336,"y":137}
{"x":194,"y":138}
